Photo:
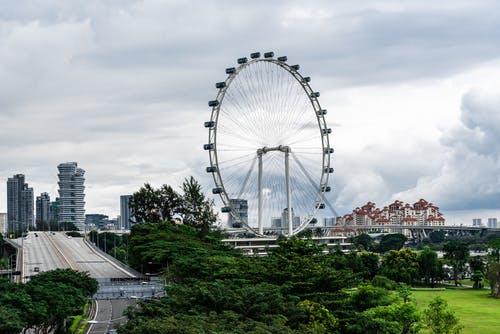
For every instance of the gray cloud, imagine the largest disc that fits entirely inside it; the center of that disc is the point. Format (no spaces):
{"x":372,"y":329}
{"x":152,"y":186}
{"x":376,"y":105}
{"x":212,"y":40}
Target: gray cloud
{"x":121,"y":86}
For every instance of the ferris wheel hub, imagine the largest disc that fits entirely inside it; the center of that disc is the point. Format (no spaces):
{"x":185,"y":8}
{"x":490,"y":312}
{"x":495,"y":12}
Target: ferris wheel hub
{"x":281,"y":148}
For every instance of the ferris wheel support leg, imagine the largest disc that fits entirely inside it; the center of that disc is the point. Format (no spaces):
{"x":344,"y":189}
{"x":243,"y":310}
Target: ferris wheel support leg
{"x":288,"y":192}
{"x":261,"y":228}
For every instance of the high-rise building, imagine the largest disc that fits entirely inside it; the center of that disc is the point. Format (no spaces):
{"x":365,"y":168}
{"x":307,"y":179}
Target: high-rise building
{"x":42,"y":208}
{"x":240,"y":207}
{"x":71,"y":194}
{"x":53,"y":210}
{"x":476,"y":222}
{"x":492,"y":222}
{"x":284,"y":219}
{"x":3,"y":223}
{"x":20,"y":213}
{"x":126,"y":216}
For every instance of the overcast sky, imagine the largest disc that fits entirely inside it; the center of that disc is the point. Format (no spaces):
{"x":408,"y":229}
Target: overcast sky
{"x":121,"y":87}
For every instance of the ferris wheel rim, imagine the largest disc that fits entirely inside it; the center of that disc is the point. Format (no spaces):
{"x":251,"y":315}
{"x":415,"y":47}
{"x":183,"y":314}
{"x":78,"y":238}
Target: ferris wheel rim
{"x":322,"y":128}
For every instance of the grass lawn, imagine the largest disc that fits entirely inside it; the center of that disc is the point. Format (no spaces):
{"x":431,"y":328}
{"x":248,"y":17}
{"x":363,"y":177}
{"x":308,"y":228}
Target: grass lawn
{"x":477,"y":311}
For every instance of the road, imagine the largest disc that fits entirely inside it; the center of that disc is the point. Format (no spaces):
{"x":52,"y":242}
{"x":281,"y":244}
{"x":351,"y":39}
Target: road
{"x":108,"y":314}
{"x":45,"y":251}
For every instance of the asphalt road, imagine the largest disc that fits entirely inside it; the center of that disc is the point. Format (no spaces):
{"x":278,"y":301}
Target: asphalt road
{"x":108,"y":314}
{"x":51,"y":250}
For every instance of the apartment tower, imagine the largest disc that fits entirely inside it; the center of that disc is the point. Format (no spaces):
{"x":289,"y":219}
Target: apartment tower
{"x":71,"y":206}
{"x":20,"y":214}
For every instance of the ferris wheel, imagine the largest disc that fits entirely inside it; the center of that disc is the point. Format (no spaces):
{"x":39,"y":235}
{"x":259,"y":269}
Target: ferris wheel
{"x":269,"y":146}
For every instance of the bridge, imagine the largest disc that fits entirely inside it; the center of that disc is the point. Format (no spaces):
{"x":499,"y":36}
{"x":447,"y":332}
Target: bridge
{"x":119,"y":285}
{"x":337,"y":236}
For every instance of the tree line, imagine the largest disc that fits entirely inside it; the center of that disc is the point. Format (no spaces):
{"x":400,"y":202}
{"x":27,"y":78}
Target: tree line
{"x":44,"y":302}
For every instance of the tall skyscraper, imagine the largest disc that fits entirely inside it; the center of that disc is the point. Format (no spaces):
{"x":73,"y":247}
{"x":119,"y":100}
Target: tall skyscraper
{"x":42,"y":208}
{"x":71,"y":206}
{"x":126,"y":217}
{"x":19,"y":204}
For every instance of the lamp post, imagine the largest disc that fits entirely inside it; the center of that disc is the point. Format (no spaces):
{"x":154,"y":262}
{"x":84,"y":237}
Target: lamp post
{"x":10,"y":266}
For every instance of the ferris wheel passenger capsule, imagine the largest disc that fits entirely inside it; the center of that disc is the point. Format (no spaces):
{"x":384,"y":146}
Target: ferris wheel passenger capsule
{"x":328,"y":170}
{"x":269,"y":54}
{"x":220,"y":85}
{"x":255,"y":55}
{"x":283,"y":58}
{"x":225,"y":209}
{"x":213,"y":103}
{"x":321,"y":112}
{"x":327,"y":131}
{"x":329,"y":150}
{"x":209,"y":124}
{"x":208,"y":147}
{"x":315,"y":94}
{"x":211,"y":169}
{"x":230,"y":70}
{"x":217,"y":190}
{"x":242,"y":60}
{"x":326,"y":189}
{"x":295,"y":67}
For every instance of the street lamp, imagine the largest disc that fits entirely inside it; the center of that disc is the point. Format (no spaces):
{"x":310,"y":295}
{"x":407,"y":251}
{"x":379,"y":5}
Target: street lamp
{"x":10,"y":266}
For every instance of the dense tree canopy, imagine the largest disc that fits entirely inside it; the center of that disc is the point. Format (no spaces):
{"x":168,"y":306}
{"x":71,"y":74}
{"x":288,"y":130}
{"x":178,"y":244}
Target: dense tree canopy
{"x":45,"y":301}
{"x":298,"y":287}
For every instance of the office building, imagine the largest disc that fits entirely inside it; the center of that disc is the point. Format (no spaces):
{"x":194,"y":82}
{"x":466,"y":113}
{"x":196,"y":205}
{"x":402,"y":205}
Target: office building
{"x":42,"y":208}
{"x":126,"y":216}
{"x":492,"y":223}
{"x":20,"y":213}
{"x":71,"y":206}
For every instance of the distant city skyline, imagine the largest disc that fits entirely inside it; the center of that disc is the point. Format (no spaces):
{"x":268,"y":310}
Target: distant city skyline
{"x":411,"y":90}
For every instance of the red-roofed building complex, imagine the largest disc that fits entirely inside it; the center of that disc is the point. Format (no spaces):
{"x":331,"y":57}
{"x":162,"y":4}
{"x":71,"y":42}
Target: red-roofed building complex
{"x":421,"y":213}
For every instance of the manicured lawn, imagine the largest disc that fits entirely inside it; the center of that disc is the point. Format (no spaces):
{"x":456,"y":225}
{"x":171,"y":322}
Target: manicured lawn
{"x":478,"y":312}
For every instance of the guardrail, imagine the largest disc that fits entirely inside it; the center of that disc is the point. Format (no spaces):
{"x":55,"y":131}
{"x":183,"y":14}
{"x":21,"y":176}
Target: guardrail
{"x":109,"y":258}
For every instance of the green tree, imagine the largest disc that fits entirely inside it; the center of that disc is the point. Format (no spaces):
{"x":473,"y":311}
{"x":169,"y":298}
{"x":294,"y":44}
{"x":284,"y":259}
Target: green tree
{"x":457,"y":253}
{"x":439,"y":319}
{"x":155,"y":205}
{"x":493,"y":276}
{"x":397,"y":318}
{"x":197,"y":210}
{"x":401,"y":266}
{"x":429,"y":266}
{"x":494,"y":246}
{"x":81,"y":281}
{"x":319,"y":318}
{"x":393,"y":241}
{"x":371,"y":262}
{"x":367,"y":296}
{"x":437,"y":236}
{"x":363,"y":242}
